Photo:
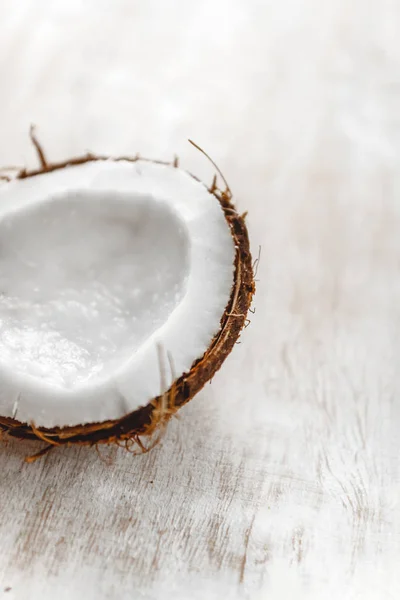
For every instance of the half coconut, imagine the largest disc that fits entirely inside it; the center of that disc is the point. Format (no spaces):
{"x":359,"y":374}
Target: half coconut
{"x":124,"y":284}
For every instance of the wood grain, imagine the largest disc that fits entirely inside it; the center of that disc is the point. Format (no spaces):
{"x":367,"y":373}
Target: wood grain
{"x":282,"y":479}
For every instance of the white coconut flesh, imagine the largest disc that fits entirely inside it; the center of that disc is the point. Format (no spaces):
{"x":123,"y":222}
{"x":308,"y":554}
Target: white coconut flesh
{"x":103,"y":267}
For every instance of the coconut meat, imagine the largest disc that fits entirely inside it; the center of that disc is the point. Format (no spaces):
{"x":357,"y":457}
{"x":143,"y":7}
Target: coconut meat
{"x":106,"y":269}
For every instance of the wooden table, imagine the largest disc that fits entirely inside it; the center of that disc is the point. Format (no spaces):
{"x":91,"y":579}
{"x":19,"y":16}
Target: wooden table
{"x":281,"y":479}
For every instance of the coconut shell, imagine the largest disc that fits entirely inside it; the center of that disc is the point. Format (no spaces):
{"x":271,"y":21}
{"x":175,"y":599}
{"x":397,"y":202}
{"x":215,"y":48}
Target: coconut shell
{"x":147,"y":419}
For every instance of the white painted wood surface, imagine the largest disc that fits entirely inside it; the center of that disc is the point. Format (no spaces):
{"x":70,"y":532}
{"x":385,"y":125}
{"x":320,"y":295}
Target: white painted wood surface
{"x":281,"y":480}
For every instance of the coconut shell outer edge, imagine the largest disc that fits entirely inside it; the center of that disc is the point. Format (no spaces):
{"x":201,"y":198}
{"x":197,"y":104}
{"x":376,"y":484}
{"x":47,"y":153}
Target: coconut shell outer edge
{"x":147,"y":419}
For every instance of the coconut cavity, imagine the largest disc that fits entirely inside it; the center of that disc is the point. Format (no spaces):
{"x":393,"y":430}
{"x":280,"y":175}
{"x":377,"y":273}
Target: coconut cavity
{"x":103,"y":264}
{"x":85,"y":279}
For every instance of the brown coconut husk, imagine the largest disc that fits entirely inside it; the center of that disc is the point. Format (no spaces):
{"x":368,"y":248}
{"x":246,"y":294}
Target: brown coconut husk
{"x":145,"y":421}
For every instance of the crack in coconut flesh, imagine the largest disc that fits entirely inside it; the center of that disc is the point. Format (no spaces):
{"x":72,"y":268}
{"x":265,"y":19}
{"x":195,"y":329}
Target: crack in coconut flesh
{"x":124,"y":284}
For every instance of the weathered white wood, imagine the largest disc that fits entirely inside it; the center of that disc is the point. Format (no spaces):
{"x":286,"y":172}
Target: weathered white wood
{"x":281,"y":480}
